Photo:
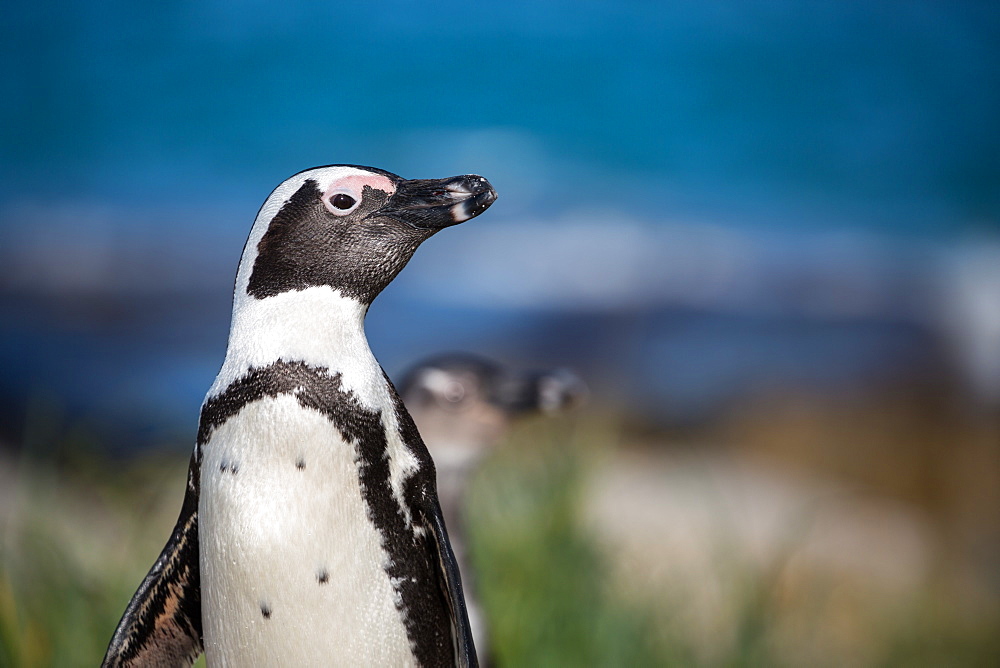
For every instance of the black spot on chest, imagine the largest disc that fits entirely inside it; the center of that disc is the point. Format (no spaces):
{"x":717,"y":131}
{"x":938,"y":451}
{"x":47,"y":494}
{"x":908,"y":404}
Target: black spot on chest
{"x":412,"y":563}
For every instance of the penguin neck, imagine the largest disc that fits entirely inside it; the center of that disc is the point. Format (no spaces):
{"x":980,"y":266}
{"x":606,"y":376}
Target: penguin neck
{"x":318,"y":326}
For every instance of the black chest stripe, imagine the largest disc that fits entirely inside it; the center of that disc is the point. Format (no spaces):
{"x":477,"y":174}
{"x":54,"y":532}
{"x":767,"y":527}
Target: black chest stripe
{"x":412,"y":564}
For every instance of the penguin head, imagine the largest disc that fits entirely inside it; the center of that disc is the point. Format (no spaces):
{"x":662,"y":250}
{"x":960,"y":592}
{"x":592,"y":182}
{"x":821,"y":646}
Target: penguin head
{"x":350,"y":228}
{"x":457,"y":382}
{"x":466,"y":399}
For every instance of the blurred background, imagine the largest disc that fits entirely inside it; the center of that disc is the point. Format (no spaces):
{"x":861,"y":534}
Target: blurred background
{"x":766,"y":234}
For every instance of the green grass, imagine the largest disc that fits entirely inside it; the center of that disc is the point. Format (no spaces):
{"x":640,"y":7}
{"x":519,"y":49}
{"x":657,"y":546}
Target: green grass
{"x":81,"y":534}
{"x":77,"y":541}
{"x":539,"y":576}
{"x":552,"y":599}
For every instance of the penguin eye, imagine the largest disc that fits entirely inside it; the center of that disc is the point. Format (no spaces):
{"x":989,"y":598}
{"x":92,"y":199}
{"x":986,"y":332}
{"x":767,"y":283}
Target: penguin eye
{"x":341,"y":203}
{"x":454,"y":392}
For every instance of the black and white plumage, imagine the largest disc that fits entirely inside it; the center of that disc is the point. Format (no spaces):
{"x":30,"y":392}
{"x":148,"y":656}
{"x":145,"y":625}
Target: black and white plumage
{"x":463,"y":405}
{"x":311,"y":532}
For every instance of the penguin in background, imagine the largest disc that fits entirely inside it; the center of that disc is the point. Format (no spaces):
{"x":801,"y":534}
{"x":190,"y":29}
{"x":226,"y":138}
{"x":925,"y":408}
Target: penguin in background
{"x":311,"y":532}
{"x":463,"y":405}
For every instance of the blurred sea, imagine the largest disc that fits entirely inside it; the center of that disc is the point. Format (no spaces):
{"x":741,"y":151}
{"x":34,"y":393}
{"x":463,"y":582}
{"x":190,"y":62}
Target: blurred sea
{"x":697,"y":200}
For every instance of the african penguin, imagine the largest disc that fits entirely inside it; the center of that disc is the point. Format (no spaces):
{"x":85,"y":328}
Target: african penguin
{"x":310,"y":533}
{"x":462,"y":405}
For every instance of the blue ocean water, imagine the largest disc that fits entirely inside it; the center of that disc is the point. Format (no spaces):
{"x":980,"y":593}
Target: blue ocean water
{"x":879,"y":113}
{"x":703,"y":178}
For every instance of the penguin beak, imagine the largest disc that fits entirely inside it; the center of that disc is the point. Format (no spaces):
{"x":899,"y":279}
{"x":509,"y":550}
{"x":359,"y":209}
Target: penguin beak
{"x":432,"y":204}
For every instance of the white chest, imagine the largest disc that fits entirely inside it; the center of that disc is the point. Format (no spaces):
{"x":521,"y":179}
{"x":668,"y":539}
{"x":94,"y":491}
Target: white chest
{"x":292,"y":570}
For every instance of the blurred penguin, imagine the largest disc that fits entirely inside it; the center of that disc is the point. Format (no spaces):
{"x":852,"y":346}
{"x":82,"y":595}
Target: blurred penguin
{"x":463,"y":405}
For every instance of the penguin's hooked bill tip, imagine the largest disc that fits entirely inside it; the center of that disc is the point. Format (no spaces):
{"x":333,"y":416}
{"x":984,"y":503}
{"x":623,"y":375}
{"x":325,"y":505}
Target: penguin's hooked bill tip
{"x":437,"y":203}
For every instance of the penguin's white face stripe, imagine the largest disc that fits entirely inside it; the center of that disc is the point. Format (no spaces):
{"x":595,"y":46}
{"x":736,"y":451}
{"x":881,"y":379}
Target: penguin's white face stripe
{"x":442,"y":384}
{"x":324,"y":178}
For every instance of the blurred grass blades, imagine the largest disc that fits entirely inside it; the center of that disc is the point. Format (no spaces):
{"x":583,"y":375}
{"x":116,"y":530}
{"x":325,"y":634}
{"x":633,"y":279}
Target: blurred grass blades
{"x":80,"y":531}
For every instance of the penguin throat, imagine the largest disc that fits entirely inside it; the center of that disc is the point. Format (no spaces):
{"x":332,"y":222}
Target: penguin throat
{"x":318,"y":326}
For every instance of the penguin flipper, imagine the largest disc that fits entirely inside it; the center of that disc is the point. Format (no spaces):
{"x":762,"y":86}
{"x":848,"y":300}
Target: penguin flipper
{"x":162,"y":623}
{"x":451,"y":584}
